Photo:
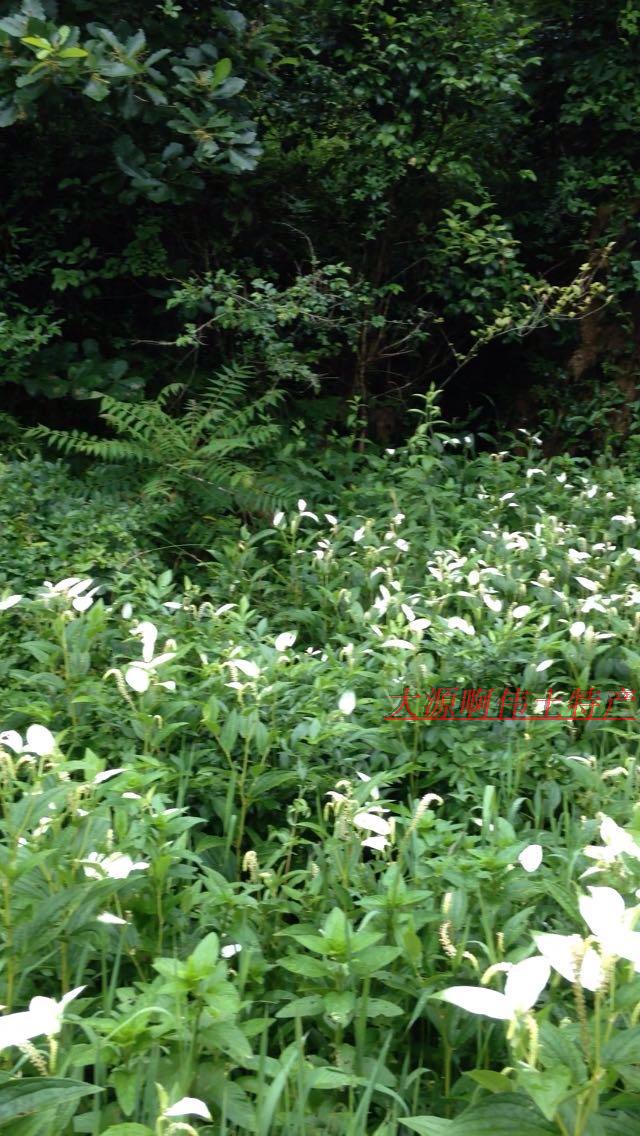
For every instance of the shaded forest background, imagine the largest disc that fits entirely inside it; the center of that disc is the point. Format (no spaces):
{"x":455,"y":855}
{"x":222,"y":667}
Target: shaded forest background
{"x":332,"y":204}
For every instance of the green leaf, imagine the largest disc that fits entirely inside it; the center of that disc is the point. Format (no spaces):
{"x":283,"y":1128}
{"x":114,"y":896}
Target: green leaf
{"x":508,"y":1115}
{"x":128,"y":1129}
{"x":547,"y":1089}
{"x":488,"y":1079}
{"x":206,"y":953}
{"x":308,"y":967}
{"x":28,"y":1095}
{"x":302,"y":1007}
{"x":72,"y":53}
{"x":623,"y":1048}
{"x":221,"y":70}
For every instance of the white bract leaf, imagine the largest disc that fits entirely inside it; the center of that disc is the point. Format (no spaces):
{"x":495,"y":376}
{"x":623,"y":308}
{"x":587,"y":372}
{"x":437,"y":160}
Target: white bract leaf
{"x":40,"y":741}
{"x":525,"y":983}
{"x":115,"y":920}
{"x":285,"y":639}
{"x":114,"y":866}
{"x":477,"y":1000}
{"x":372,"y":822}
{"x":106,"y":775}
{"x":245,"y":666}
{"x":544,"y":666}
{"x":148,"y":632}
{"x":347,"y":702}
{"x":230,"y":950}
{"x":492,"y":602}
{"x":189,"y":1106}
{"x":520,"y":611}
{"x":137,"y":678}
{"x":11,"y":739}
{"x":577,"y":629}
{"x":531,"y":857}
{"x":9,"y":601}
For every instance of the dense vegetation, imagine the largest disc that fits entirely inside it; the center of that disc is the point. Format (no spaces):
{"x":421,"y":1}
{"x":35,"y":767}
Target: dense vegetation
{"x":319,"y":594}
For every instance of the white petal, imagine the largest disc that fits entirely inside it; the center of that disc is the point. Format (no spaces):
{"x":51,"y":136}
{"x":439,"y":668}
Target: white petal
{"x":302,"y":504}
{"x":402,"y":644}
{"x":520,"y":611}
{"x":492,"y":602}
{"x":526,"y":981}
{"x":561,"y":951}
{"x":603,"y":911}
{"x":107,"y":917}
{"x":372,"y":822}
{"x":544,"y":666}
{"x":477,"y":1000}
{"x":245,"y":666}
{"x":230,"y":950}
{"x":11,"y":739}
{"x":148,"y":632}
{"x":379,"y":843}
{"x":577,"y":629}
{"x":347,"y":702}
{"x":531,"y":857}
{"x":106,"y":775}
{"x":285,"y":639}
{"x":40,"y":740}
{"x":189,"y":1106}
{"x":592,"y":974}
{"x":9,"y":601}
{"x":137,"y":679}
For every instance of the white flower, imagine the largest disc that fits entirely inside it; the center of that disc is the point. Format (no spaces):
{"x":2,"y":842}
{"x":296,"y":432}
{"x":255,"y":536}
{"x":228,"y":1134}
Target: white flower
{"x":107,"y":917}
{"x":189,"y":1106}
{"x":492,"y":602}
{"x":531,"y":857}
{"x":11,"y":739}
{"x":419,"y":624}
{"x":457,"y":624}
{"x":137,"y":678}
{"x":40,"y":741}
{"x":278,"y":518}
{"x":544,"y":666}
{"x":347,"y":702}
{"x":372,"y":822}
{"x":577,"y":557}
{"x":331,"y":519}
{"x":402,"y":544}
{"x":358,"y":534}
{"x":230,"y":950}
{"x":115,"y":866}
{"x":577,"y":629}
{"x":606,"y":917}
{"x":44,"y":1016}
{"x":520,"y":611}
{"x":285,"y":639}
{"x":401,"y":644}
{"x":302,"y":504}
{"x":507,"y":496}
{"x":9,"y":601}
{"x":245,"y":666}
{"x":106,"y":775}
{"x":379,"y":843}
{"x":572,"y":958}
{"x":590,"y":585}
{"x":616,"y":842}
{"x":525,"y":983}
{"x":127,"y":611}
{"x":148,"y":632}
{"x":474,"y":577}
